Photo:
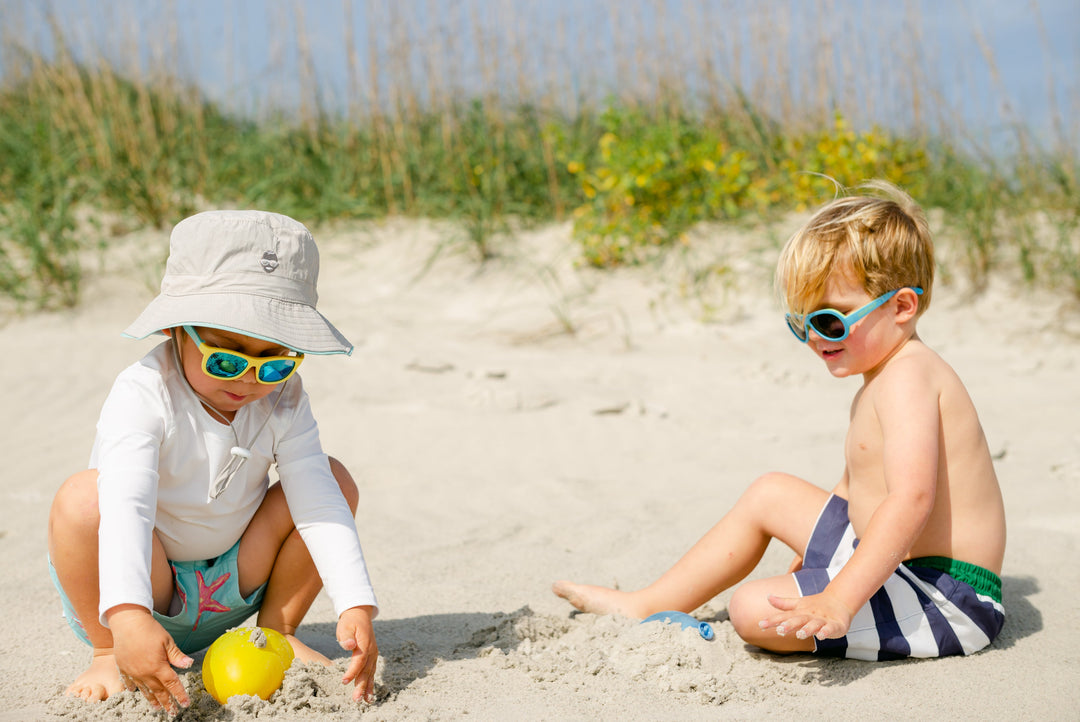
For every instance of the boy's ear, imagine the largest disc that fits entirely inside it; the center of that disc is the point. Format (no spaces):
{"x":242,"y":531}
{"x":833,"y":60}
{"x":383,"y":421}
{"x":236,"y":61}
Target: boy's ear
{"x":907,"y":304}
{"x":167,"y":332}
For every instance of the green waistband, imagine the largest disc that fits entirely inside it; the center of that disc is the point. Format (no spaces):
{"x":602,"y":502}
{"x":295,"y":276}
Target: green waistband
{"x":981,"y":579}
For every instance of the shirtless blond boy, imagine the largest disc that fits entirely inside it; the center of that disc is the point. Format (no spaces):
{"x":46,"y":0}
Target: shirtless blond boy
{"x":902,"y":558}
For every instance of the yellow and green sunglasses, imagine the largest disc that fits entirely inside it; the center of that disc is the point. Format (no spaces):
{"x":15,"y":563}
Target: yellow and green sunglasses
{"x":221,"y":363}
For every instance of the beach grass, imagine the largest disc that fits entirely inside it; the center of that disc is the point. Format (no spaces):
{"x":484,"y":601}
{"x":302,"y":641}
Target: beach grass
{"x":685,"y":134}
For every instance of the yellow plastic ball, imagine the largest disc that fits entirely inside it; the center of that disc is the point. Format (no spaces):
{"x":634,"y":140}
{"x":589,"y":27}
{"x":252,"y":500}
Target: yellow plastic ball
{"x":246,"y":660}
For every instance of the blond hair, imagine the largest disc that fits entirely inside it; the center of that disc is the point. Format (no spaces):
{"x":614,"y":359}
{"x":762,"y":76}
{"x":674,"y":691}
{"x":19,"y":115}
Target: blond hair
{"x":881,"y":241}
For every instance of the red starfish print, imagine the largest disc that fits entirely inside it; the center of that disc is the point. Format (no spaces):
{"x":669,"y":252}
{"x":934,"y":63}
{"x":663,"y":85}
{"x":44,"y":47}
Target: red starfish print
{"x":207,"y":603}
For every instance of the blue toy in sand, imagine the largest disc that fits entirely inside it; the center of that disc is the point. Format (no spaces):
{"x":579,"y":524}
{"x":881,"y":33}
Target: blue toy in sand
{"x":684,"y":619}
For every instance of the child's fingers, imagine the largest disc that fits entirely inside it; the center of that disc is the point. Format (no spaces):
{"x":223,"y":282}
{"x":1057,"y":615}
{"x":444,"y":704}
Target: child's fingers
{"x":158,"y":683}
{"x":811,"y":629}
{"x":352,"y":672}
{"x":175,"y":689}
{"x":791,"y":624}
{"x":176,"y":657}
{"x":365,"y":690}
{"x":354,"y":632}
{"x":361,"y":655}
{"x":831,"y":630}
{"x":155,"y":694}
{"x":784,"y":603}
{"x":361,"y":672}
{"x":784,"y":623}
{"x":774,"y":620}
{"x":365,"y":687}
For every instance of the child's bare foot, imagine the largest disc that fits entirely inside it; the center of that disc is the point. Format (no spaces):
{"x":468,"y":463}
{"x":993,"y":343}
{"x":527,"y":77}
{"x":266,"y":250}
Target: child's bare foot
{"x":305,"y":653}
{"x":100,"y":680}
{"x":598,"y":600}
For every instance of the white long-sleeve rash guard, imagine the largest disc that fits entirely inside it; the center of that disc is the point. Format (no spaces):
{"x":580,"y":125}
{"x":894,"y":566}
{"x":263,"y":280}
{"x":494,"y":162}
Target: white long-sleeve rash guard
{"x":157,"y":453}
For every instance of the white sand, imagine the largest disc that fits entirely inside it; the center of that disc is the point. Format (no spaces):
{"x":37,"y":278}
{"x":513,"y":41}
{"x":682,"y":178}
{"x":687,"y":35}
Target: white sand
{"x":496,"y":452}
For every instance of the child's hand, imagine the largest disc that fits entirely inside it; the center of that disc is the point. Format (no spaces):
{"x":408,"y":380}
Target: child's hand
{"x":145,"y":654}
{"x":355,"y":633}
{"x":818,"y":615}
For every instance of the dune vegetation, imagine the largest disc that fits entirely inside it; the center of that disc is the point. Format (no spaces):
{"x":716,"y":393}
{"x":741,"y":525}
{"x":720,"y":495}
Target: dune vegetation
{"x":694,"y":121}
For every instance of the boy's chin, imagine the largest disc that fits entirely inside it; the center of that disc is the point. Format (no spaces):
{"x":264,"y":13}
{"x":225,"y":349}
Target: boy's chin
{"x":839,"y":371}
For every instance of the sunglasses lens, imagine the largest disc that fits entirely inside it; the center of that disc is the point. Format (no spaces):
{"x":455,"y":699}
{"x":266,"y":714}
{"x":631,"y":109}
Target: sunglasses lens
{"x":225,"y":365}
{"x":275,"y":371}
{"x":829,"y":326}
{"x":797,"y":326}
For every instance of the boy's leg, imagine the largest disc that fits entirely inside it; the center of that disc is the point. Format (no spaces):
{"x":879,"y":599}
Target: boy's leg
{"x":73,"y":552}
{"x":750,"y":604}
{"x":775,"y":506}
{"x":272,"y":551}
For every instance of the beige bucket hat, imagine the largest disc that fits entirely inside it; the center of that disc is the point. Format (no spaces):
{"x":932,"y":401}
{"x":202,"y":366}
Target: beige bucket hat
{"x":252,"y":272}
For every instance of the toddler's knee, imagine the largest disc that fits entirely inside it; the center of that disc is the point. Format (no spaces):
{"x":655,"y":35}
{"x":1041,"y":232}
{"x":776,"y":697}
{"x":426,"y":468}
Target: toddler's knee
{"x":743,"y":614}
{"x":345,"y":481}
{"x":766,"y":487}
{"x":76,"y":502}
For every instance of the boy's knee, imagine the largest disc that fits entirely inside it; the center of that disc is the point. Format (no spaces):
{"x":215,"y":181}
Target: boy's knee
{"x":765,"y":488}
{"x":345,"y":481}
{"x":748,"y":606}
{"x":743,"y":613}
{"x":76,"y":501}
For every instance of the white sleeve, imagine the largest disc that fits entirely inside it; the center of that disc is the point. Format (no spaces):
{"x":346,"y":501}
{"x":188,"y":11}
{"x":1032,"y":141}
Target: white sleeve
{"x":129,"y":435}
{"x":320,"y":512}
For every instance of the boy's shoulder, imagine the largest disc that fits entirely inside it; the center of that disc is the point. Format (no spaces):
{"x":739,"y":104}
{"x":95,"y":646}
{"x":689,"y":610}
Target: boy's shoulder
{"x":152,"y":370}
{"x":913,"y":360}
{"x":916,"y":372}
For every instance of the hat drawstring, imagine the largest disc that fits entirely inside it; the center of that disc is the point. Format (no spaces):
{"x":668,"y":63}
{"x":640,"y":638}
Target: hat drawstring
{"x":238,"y":454}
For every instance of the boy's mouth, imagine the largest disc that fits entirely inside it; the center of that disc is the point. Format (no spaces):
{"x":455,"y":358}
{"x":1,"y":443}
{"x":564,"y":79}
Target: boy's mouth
{"x":829,"y":353}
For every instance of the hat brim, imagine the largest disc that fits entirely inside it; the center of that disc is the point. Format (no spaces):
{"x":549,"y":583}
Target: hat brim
{"x":295,"y":325}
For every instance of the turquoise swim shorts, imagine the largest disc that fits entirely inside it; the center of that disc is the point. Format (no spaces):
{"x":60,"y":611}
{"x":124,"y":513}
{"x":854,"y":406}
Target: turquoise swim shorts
{"x":207,"y":595}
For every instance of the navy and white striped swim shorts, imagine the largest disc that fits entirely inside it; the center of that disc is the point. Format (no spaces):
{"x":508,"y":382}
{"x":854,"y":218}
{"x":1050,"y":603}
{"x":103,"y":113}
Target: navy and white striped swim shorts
{"x":929,"y":607}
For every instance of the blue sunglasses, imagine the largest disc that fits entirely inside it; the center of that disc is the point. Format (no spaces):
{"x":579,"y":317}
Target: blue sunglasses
{"x":832,"y":325}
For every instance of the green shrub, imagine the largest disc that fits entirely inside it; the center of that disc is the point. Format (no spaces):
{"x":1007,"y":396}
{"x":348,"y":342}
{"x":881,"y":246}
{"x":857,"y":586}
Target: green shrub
{"x":634,"y":177}
{"x":652,"y":178}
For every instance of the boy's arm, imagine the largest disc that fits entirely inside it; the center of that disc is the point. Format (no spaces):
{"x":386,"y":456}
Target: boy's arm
{"x":320,"y":512}
{"x":126,"y":451}
{"x":910,"y":429}
{"x":130,"y":432}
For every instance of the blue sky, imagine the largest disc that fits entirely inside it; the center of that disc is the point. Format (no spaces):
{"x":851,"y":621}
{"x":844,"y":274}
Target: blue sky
{"x":244,"y":53}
